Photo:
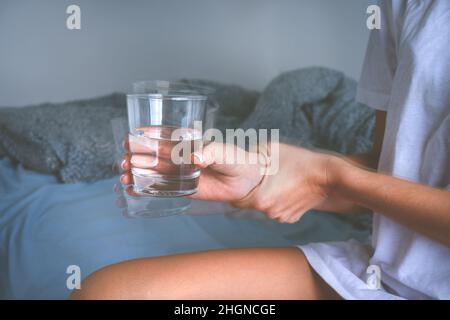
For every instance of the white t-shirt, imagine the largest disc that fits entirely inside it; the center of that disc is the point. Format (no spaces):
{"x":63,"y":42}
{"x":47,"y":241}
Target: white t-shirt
{"x":407,"y":74}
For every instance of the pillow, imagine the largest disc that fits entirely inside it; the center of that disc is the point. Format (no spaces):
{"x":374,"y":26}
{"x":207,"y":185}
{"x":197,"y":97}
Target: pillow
{"x":72,"y":140}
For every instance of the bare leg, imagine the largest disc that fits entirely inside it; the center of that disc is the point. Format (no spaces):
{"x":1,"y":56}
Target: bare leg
{"x":259,"y":273}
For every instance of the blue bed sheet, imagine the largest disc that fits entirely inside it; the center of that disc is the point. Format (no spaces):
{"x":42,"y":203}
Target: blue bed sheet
{"x":46,"y":226}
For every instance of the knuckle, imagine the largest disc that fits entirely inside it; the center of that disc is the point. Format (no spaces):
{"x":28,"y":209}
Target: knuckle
{"x":208,"y":154}
{"x":272,"y":214}
{"x":296,"y":217}
{"x":283,"y":219}
{"x":292,"y":220}
{"x":264,"y":204}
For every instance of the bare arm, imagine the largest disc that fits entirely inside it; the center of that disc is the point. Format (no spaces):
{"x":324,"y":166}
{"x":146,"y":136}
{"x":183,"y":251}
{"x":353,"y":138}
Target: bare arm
{"x":369,"y":160}
{"x":349,"y":185}
{"x":307,"y":180}
{"x":420,"y":207}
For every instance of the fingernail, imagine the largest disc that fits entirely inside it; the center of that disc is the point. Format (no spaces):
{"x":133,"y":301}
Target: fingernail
{"x":122,"y":164}
{"x":198,"y":159}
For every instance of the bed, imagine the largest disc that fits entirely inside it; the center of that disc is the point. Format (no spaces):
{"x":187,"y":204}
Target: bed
{"x":48,"y":224}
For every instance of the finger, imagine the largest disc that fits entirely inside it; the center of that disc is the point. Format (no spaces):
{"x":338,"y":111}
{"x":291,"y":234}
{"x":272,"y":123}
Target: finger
{"x":221,"y":157}
{"x":126,"y":143}
{"x":153,"y":164}
{"x":129,"y":190}
{"x":273,"y":215}
{"x":142,"y":145}
{"x":126,"y":164}
{"x":292,"y":216}
{"x":294,"y":219}
{"x":214,"y":153}
{"x":299,"y":214}
{"x":144,"y":161}
{"x":197,"y":159}
{"x":281,"y":219}
{"x":147,"y":145}
{"x":126,"y":179}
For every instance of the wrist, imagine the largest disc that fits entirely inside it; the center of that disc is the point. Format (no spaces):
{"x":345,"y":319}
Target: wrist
{"x":339,"y":173}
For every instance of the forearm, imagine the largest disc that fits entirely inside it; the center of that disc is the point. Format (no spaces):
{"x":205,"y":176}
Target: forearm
{"x":420,"y":207}
{"x":338,"y":204}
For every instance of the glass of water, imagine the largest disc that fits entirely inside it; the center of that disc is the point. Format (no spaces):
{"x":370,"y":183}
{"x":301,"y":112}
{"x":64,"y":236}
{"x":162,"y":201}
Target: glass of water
{"x":183,"y":87}
{"x":165,"y":129}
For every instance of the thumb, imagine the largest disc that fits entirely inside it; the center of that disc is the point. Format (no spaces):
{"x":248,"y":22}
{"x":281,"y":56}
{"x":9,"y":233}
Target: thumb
{"x":213,"y":153}
{"x":223,"y":158}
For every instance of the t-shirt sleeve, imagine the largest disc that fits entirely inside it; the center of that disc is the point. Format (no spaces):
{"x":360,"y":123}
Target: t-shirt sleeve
{"x":380,"y":62}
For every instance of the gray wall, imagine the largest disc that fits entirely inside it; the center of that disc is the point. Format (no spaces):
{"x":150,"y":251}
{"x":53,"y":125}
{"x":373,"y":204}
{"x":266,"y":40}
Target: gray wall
{"x":246,"y":42}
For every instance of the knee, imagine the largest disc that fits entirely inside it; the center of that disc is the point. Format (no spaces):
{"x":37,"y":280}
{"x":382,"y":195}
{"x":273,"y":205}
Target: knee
{"x":133,"y":279}
{"x":103,"y":284}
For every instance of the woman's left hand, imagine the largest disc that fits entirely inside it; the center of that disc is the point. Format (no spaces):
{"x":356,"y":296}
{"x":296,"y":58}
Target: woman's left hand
{"x":300,"y":184}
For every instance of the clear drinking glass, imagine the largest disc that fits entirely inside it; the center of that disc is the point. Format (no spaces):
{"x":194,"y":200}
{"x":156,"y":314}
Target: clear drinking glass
{"x":163,"y":134}
{"x":180,"y":87}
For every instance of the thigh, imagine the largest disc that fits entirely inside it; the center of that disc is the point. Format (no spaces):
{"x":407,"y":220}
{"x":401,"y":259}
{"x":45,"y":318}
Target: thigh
{"x":254,"y":273}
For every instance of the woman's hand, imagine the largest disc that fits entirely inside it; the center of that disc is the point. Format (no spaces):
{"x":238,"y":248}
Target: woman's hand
{"x":221,"y":179}
{"x":299,"y":185}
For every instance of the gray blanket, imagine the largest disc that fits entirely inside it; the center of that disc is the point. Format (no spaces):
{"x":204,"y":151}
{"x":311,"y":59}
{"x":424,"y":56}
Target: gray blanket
{"x":74,"y":140}
{"x":315,"y":107}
